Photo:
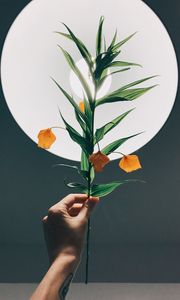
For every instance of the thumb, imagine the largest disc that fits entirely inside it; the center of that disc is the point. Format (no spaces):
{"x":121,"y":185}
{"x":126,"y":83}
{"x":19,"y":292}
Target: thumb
{"x":88,"y":207}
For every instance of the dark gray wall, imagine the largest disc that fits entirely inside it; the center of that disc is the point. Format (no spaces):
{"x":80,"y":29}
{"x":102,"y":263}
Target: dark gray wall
{"x":136,"y":231}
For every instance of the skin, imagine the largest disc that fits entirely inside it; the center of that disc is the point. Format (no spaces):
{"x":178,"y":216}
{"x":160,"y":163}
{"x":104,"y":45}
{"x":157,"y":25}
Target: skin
{"x":64,"y":231}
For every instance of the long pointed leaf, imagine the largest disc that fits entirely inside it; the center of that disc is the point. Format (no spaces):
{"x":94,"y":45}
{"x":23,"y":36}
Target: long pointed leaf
{"x":73,"y":103}
{"x":110,"y":74}
{"x":77,"y":186}
{"x":88,"y":112}
{"x":122,"y":64}
{"x":103,"y":63}
{"x":136,"y":82}
{"x":68,"y":36}
{"x":82,"y":48}
{"x":99,"y":37}
{"x":118,"y":45}
{"x":75,"y":136}
{"x":85,"y":166}
{"x":84,"y":174}
{"x":99,"y":134}
{"x":124,"y":95}
{"x":131,"y":94}
{"x":77,"y":72}
{"x":84,"y":161}
{"x":101,"y":190}
{"x":81,"y":122}
{"x":113,"y":41}
{"x":105,"y":47}
{"x":92,"y":174}
{"x":116,"y":144}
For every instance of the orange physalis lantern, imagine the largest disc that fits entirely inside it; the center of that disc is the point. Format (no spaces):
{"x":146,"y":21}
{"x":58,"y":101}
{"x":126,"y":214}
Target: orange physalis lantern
{"x":99,"y":160}
{"x":130,"y":163}
{"x":46,"y":138}
{"x":81,"y":106}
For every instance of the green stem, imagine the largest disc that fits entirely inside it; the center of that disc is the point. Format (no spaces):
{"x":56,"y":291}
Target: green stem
{"x":54,"y":127}
{"x":88,"y":251}
{"x":119,"y":153}
{"x":88,"y":229}
{"x":89,"y":194}
{"x":99,"y":149}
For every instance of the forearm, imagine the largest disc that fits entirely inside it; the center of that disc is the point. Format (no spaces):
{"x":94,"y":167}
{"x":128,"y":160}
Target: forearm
{"x":55,"y":284}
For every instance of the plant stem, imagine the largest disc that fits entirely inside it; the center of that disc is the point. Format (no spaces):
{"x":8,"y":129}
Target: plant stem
{"x":119,"y":153}
{"x":88,"y":229}
{"x":88,"y":251}
{"x":99,"y":149}
{"x":89,"y":194}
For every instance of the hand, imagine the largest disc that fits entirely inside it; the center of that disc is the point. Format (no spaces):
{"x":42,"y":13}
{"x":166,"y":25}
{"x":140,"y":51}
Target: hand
{"x":65,"y":225}
{"x":64,"y":229}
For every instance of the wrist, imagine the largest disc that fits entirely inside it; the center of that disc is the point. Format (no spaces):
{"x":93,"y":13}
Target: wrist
{"x":68,"y":260}
{"x":67,"y":253}
{"x":70,"y":253}
{"x":61,"y":268}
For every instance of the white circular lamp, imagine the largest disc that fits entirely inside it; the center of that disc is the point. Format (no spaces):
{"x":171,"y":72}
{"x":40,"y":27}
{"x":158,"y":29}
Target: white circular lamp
{"x":30,"y":57}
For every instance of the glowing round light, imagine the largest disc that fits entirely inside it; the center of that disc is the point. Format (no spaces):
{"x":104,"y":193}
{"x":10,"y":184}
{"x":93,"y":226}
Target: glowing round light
{"x":30,"y":57}
{"x":76,"y":84}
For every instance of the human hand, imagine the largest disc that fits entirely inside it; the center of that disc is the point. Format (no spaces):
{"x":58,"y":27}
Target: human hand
{"x":65,"y":225}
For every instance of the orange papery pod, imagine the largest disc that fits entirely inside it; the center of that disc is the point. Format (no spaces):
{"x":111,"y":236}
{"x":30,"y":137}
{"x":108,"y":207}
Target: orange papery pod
{"x":99,"y":160}
{"x":46,"y":138}
{"x":81,"y":106}
{"x":130,"y":163}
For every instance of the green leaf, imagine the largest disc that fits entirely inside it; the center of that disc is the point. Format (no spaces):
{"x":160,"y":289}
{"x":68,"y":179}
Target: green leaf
{"x":99,"y":37}
{"x":119,"y":63}
{"x":104,"y":77}
{"x":67,"y":166}
{"x":77,"y":72}
{"x":105,"y":47}
{"x":118,"y":95}
{"x":136,"y":82}
{"x":84,"y":174}
{"x":81,"y":122}
{"x":131,"y":94}
{"x":84,"y":161}
{"x":101,"y":190}
{"x":85,"y":166}
{"x":107,"y":60}
{"x":99,"y":134}
{"x":75,"y":136}
{"x":118,"y":45}
{"x":92,"y":174}
{"x":124,"y":95}
{"x":88,"y":112}
{"x":68,"y":36}
{"x":77,"y":186}
{"x":116,"y":144}
{"x":73,"y":103}
{"x":103,"y":62}
{"x":82,"y":48}
{"x":113,"y":41}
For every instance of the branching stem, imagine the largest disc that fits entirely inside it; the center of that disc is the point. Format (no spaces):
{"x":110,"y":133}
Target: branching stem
{"x":89,"y":191}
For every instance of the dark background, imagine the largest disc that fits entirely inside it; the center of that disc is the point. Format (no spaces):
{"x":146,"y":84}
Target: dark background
{"x":135,"y":231}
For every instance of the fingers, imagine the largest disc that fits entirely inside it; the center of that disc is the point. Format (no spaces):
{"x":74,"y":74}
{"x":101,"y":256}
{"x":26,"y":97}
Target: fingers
{"x":75,"y":209}
{"x":74,"y":205}
{"x":69,"y":200}
{"x":66,"y":203}
{"x":88,"y":207}
{"x":45,"y":219}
